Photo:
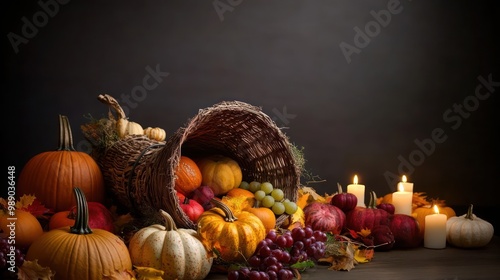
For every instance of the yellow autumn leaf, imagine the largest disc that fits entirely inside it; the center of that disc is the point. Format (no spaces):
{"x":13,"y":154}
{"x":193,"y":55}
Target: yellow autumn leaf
{"x":236,"y":203}
{"x":120,"y":275}
{"x":363,"y":255}
{"x":365,"y":232}
{"x":25,"y":201}
{"x":297,"y":219}
{"x":148,"y":273}
{"x":313,"y":195}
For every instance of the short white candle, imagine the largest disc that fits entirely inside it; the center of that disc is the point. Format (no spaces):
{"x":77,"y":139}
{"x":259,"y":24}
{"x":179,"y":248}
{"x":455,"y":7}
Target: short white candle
{"x":435,"y":230}
{"x":402,"y":201}
{"x":408,"y":186}
{"x":358,"y":190}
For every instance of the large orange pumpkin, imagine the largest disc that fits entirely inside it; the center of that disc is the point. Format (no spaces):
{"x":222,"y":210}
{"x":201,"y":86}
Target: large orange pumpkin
{"x":220,"y":173}
{"x":51,"y":175}
{"x":79,"y":252}
{"x":188,"y":176}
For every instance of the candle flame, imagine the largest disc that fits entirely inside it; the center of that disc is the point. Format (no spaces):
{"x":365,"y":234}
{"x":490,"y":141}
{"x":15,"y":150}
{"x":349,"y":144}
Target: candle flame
{"x":355,"y":180}
{"x":401,"y":187}
{"x":436,"y":209}
{"x":404,"y":179}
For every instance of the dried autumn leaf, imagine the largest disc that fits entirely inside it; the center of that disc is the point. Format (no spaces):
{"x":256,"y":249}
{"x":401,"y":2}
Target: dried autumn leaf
{"x":313,"y":195}
{"x":3,"y":203}
{"x":148,"y":273}
{"x":120,"y":275}
{"x":25,"y":201}
{"x":32,"y":270}
{"x":302,"y":199}
{"x":122,"y":220}
{"x":340,"y":254}
{"x":363,"y":255}
{"x":365,"y":232}
{"x":37,"y":209}
{"x":236,"y":203}
{"x":31,"y":204}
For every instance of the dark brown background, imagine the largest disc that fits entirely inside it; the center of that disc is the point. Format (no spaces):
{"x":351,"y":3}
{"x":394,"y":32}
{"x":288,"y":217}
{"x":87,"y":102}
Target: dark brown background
{"x":360,"y":117}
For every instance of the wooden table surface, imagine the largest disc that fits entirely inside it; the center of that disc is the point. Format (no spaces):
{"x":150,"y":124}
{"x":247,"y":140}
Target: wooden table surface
{"x":419,"y":263}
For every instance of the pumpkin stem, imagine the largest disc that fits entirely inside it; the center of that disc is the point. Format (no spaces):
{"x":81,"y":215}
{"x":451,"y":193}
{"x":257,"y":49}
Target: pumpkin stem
{"x":82,"y":214}
{"x":469,"y":214}
{"x":169,"y":222}
{"x":373,"y":200}
{"x":65,"y":135}
{"x":339,"y":188}
{"x":113,"y":103}
{"x":230,"y":217}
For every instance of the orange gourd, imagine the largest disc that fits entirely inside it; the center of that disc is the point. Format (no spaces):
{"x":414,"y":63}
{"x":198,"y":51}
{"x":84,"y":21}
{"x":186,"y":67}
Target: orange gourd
{"x":420,"y":212}
{"x":27,"y":227}
{"x":188,"y":175}
{"x":51,"y":175}
{"x":79,"y":252}
{"x":266,"y":215}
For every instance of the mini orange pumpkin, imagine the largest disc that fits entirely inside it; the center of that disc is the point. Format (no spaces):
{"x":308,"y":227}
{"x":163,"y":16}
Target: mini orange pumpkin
{"x":27,"y":227}
{"x":188,"y":176}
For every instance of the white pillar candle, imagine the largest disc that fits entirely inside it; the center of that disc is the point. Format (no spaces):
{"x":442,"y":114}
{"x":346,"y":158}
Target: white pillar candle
{"x":435,"y":230}
{"x":407,"y":186}
{"x":358,"y":190}
{"x":402,"y":201}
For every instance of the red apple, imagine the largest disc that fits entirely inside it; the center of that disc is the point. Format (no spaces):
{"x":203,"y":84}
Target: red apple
{"x":99,"y":217}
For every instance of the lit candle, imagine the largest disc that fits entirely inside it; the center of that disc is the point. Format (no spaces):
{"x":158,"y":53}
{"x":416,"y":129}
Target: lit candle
{"x":358,"y":190}
{"x":402,"y":201}
{"x":408,"y":186}
{"x":435,"y":230}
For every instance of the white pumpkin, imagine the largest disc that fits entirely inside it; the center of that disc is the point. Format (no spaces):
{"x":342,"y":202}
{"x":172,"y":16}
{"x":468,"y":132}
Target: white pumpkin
{"x":177,"y":252}
{"x":468,"y":231}
{"x":155,"y":133}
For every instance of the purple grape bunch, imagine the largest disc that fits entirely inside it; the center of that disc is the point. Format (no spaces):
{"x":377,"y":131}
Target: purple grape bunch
{"x":278,"y":252}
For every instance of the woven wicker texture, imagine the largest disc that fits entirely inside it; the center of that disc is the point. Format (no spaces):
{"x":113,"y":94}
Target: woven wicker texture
{"x":141,"y":172}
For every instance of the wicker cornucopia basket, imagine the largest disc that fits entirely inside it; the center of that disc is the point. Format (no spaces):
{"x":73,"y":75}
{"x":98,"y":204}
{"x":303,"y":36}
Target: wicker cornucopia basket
{"x":141,"y":172}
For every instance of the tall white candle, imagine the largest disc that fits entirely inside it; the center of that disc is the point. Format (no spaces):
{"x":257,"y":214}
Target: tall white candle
{"x":402,"y":201}
{"x":435,"y":230}
{"x":407,"y":186}
{"x":358,"y":190}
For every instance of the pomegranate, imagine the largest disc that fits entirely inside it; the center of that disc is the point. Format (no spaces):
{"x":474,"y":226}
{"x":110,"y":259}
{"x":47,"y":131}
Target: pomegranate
{"x":324,"y":217}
